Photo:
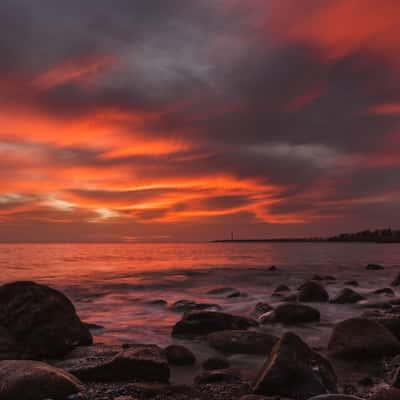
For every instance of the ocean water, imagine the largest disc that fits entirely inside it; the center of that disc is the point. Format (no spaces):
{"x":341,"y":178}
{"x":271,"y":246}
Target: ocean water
{"x":112,"y":284}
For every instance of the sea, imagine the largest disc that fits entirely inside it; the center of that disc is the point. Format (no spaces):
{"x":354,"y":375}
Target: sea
{"x":116,"y":285}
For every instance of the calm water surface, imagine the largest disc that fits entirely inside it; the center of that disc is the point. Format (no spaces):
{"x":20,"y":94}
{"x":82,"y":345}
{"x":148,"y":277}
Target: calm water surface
{"x":111,"y":284}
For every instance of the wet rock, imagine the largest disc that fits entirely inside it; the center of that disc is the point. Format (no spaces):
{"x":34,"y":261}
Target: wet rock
{"x":237,"y":294}
{"x":93,"y":327}
{"x":157,"y":303}
{"x":385,"y":291}
{"x":353,"y":283}
{"x":396,"y":281}
{"x":189,"y":305}
{"x":335,"y":397}
{"x":37,"y":321}
{"x":361,"y":338}
{"x":140,"y":363}
{"x":389,"y":321}
{"x":242,"y":342}
{"x":291,"y":298}
{"x":260,"y":397}
{"x":312,"y":292}
{"x":215,"y":363}
{"x":273,"y":268}
{"x":374,"y":267}
{"x":179,"y":355}
{"x":282,"y":288}
{"x":217,"y":377}
{"x":205,"y":322}
{"x":260,"y":309}
{"x":295,"y":371}
{"x":222,"y":291}
{"x":290,"y":314}
{"x":386,"y":394}
{"x":32,"y":380}
{"x":347,"y":296}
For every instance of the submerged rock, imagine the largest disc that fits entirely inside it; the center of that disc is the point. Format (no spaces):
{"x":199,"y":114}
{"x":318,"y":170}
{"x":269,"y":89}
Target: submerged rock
{"x":396,"y":281}
{"x":242,"y":342}
{"x":386,"y":394}
{"x":139,"y":363}
{"x":347,"y":296}
{"x":374,"y":267}
{"x":281,"y":288}
{"x":179,"y":355}
{"x":37,"y":321}
{"x":291,"y":313}
{"x":335,"y":397}
{"x":222,"y":291}
{"x":205,"y":322}
{"x":295,"y":371}
{"x":260,"y":309}
{"x":312,"y":292}
{"x":32,"y":380}
{"x":361,"y":338}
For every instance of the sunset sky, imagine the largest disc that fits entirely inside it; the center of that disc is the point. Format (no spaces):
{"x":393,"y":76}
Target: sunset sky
{"x":185,"y":120}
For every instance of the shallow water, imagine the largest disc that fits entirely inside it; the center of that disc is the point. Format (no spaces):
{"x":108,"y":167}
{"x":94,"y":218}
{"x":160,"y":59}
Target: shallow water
{"x":111,"y":284}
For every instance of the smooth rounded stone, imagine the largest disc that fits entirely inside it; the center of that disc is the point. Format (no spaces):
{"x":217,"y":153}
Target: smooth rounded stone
{"x":141,"y":363}
{"x":385,"y":291}
{"x":236,"y":294}
{"x":282,"y":288}
{"x":157,"y":303}
{"x":242,"y":342}
{"x":295,"y":371}
{"x":353,"y":283}
{"x":386,"y":394}
{"x":335,"y":397}
{"x":217,"y":377}
{"x":273,"y":268}
{"x":347,"y":296}
{"x":215,"y":363}
{"x":291,"y":313}
{"x":37,"y":322}
{"x":205,"y":322}
{"x":361,"y":338}
{"x":260,"y":309}
{"x":32,"y":380}
{"x":396,"y":281}
{"x":312,"y":292}
{"x":374,"y":267}
{"x":389,"y":321}
{"x":179,"y":355}
{"x":189,"y":305}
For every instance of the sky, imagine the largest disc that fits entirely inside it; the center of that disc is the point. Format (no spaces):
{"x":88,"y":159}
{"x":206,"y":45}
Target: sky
{"x":164,"y":120}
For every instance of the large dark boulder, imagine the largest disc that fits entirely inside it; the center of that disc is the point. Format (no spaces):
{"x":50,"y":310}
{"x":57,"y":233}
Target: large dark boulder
{"x":205,"y":322}
{"x":290,"y":314}
{"x":37,"y":321}
{"x":139,"y":363}
{"x":361,"y":338}
{"x":242,"y":342}
{"x":215,"y":363}
{"x":312,"y":292}
{"x":32,"y":380}
{"x":226,"y":376}
{"x":179,"y":355}
{"x":347,"y":296}
{"x":295,"y":371}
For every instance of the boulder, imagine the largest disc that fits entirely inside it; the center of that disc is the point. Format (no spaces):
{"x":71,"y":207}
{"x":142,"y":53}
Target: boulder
{"x":312,"y":292}
{"x":396,"y":280}
{"x":295,"y":371}
{"x":205,"y":322}
{"x":215,"y":363}
{"x":388,"y":320}
{"x":139,"y":363}
{"x":189,"y":305}
{"x":179,"y":355}
{"x":226,"y":376}
{"x":374,"y":267}
{"x":222,"y":291}
{"x":291,"y":313}
{"x":361,"y":338}
{"x":386,"y":394}
{"x":32,"y":380}
{"x":347,"y":296}
{"x":38,"y":322}
{"x":260,"y":309}
{"x":242,"y":342}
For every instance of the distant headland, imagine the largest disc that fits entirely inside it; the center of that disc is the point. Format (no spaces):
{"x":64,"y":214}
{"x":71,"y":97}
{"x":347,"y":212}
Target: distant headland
{"x":372,"y":236}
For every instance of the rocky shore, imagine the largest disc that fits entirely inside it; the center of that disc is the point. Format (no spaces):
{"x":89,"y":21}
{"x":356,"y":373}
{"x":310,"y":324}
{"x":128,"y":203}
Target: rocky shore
{"x":47,"y":352}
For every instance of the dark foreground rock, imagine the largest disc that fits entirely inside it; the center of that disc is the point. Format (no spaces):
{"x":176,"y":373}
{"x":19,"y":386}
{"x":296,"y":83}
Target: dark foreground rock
{"x":396,"y":281}
{"x":179,"y":355}
{"x":205,"y":322}
{"x":347,"y":296}
{"x":242,"y":342}
{"x":37,"y":321}
{"x":388,"y":320}
{"x":189,"y":305}
{"x":140,"y":363}
{"x":32,"y":380}
{"x":386,"y":394}
{"x":361,"y":338}
{"x":291,"y":313}
{"x":312,"y":292}
{"x":295,"y":371}
{"x":214,"y":363}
